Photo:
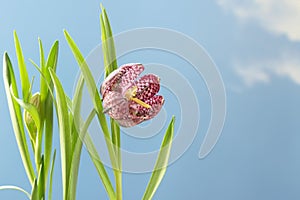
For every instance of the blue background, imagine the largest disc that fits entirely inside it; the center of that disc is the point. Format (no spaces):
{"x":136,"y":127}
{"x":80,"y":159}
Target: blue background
{"x":257,"y":156}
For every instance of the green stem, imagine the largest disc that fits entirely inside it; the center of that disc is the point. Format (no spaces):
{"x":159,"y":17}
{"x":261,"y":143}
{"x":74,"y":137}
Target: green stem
{"x":115,"y":130}
{"x":119,"y":184}
{"x":38,"y":148}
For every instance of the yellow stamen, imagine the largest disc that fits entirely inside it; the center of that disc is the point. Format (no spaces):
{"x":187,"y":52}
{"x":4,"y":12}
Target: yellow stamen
{"x":130,"y":95}
{"x":138,"y":101}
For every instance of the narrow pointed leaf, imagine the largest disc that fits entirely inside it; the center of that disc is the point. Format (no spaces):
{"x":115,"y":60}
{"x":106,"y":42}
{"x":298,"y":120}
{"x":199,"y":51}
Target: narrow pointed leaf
{"x":51,"y":176}
{"x":78,"y":136}
{"x":77,"y":100}
{"x":94,"y":94}
{"x":50,"y":63}
{"x":42,"y":56}
{"x":41,"y":180}
{"x":161,"y":162}
{"x":110,"y":60}
{"x":16,"y":116}
{"x":99,"y":167}
{"x":110,"y":64}
{"x":25,"y":83}
{"x":48,"y":102}
{"x":34,"y":192}
{"x":64,"y":129}
{"x":89,"y":80}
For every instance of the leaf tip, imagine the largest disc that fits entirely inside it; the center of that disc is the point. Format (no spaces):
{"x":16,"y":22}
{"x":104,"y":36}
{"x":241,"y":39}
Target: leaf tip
{"x":56,"y":42}
{"x":173,"y":119}
{"x":16,"y":39}
{"x":101,"y":6}
{"x":5,"y":55}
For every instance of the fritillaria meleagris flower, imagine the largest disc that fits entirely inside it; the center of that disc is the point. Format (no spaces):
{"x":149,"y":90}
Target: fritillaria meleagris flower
{"x":130,"y":100}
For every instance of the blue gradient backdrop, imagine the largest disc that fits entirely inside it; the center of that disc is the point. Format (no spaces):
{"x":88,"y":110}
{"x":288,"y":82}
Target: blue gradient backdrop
{"x":257,"y":156}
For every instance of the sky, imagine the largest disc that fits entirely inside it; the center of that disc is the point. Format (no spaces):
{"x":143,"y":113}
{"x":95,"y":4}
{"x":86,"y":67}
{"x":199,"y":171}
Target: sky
{"x":255,"y":46}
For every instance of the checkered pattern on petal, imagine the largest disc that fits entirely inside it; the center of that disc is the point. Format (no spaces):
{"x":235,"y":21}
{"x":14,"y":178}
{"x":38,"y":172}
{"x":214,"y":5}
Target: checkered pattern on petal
{"x":136,"y":110}
{"x":126,"y":111}
{"x":115,"y":105}
{"x":122,"y":78}
{"x":130,"y":122}
{"x":131,"y":73}
{"x":148,"y":85}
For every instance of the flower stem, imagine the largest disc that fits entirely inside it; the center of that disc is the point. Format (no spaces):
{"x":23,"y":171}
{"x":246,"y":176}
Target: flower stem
{"x":119,"y":184}
{"x":117,"y":167}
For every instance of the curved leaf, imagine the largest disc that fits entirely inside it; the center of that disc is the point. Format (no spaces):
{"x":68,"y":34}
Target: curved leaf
{"x":110,"y":64}
{"x":161,"y":162}
{"x":31,"y":109}
{"x":25,"y":83}
{"x":41,"y":180}
{"x":77,"y":99}
{"x":16,"y":116}
{"x":64,"y":130}
{"x":47,"y":100}
{"x":89,"y":80}
{"x":51,"y":176}
{"x":12,"y":187}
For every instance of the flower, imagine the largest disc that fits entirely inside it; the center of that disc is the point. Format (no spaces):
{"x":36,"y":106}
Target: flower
{"x":129,"y":100}
{"x":35,"y":100}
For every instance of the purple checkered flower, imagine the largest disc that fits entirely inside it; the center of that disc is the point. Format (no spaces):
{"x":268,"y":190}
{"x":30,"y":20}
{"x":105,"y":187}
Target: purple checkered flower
{"x":129,"y":100}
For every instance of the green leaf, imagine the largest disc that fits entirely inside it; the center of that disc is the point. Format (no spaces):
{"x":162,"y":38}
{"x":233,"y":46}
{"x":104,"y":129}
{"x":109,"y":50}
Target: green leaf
{"x":109,"y":52}
{"x":16,"y":116}
{"x":93,"y":91}
{"x":76,"y":153}
{"x":42,"y":56}
{"x":32,"y":110}
{"x":99,"y":167}
{"x":51,"y":176}
{"x":91,"y":85}
{"x":41,"y":180}
{"x":51,"y":63}
{"x":161,"y":162}
{"x":47,"y":100}
{"x":12,"y":187}
{"x":34,"y":192}
{"x":77,"y":99}
{"x":22,"y":67}
{"x":64,"y":130}
{"x":75,"y":160}
{"x":110,"y":63}
{"x":36,"y":139}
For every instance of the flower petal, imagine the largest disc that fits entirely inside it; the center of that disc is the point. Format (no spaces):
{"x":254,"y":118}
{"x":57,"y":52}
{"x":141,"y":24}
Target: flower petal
{"x":122,"y":78}
{"x":115,"y":105}
{"x":137,"y":113}
{"x":130,"y":122}
{"x":132,"y":71}
{"x":156,"y":102}
{"x":148,"y":86}
{"x":120,"y":92}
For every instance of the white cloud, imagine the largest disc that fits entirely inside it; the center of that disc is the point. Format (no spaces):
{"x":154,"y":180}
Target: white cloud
{"x":252,"y":75}
{"x":263,"y":71}
{"x":278,"y":16}
{"x":289,"y":68}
